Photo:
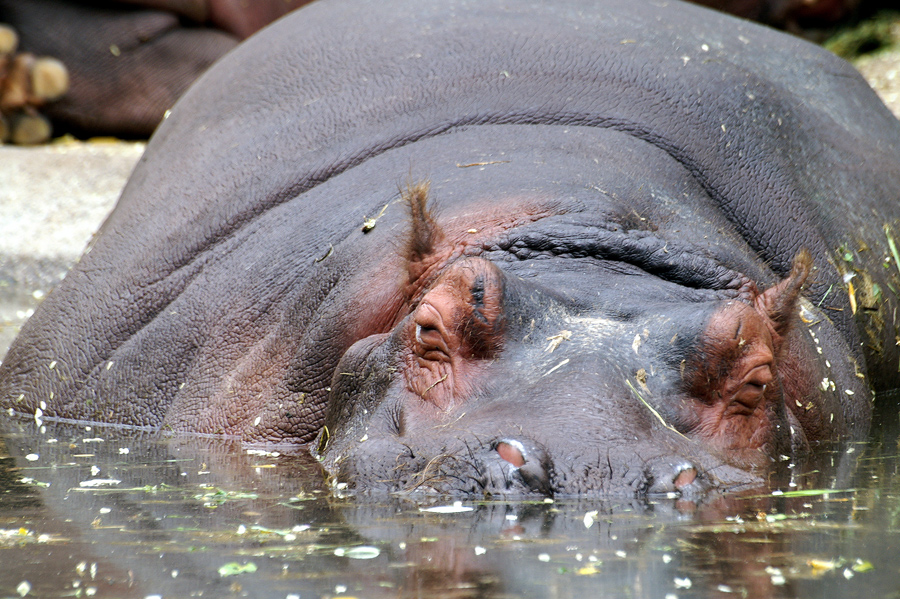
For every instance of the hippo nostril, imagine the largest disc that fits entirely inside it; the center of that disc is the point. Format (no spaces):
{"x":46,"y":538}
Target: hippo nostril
{"x":512,"y":451}
{"x":671,"y":478}
{"x":685,"y":477}
{"x":531,"y":470}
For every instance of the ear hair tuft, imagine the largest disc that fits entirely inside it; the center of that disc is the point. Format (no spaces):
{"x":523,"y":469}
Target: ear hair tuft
{"x":424,"y":233}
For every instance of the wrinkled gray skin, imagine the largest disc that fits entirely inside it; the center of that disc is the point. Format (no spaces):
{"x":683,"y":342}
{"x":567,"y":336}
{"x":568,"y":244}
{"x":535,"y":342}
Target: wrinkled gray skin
{"x":607,"y":180}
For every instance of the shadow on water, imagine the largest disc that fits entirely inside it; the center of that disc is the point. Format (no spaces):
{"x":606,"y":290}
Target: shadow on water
{"x":109,"y":513}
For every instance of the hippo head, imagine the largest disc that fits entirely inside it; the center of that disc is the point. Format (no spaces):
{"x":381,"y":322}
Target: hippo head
{"x":504,"y":384}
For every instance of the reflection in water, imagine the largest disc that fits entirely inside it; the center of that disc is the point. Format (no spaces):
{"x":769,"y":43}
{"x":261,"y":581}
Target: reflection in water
{"x":108,"y":513}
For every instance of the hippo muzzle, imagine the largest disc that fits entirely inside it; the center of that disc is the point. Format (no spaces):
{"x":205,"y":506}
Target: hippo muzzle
{"x":495,"y":384}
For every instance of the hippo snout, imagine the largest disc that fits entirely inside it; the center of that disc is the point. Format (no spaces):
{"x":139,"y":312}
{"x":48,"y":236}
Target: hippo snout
{"x":525,"y":466}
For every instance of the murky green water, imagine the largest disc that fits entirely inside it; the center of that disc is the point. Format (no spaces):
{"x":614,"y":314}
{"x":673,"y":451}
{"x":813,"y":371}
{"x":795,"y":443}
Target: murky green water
{"x":108,"y":513}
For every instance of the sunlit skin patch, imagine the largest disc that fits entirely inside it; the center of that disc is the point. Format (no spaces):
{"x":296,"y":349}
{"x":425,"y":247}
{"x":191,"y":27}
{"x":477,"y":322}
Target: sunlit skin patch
{"x":432,"y":246}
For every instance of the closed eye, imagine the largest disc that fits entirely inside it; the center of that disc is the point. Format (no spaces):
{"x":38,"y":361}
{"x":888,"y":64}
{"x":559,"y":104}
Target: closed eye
{"x":430,"y":344}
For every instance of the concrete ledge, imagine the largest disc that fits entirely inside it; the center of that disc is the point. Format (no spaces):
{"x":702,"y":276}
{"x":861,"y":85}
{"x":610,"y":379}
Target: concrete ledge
{"x":52,"y":200}
{"x":882,"y":71}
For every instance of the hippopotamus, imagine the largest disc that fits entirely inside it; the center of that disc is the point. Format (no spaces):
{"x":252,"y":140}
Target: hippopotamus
{"x":492,"y":248}
{"x":130,"y":60}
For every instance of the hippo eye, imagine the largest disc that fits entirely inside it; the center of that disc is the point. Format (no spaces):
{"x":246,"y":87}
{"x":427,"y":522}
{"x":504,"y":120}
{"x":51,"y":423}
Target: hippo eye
{"x":748,"y":397}
{"x":753,"y":388}
{"x":430,"y":344}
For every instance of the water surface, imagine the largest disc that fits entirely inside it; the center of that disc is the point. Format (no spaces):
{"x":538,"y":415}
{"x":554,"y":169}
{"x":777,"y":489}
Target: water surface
{"x":104,"y":512}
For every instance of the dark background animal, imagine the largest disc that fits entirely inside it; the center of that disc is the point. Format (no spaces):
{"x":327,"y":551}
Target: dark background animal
{"x":656,"y":253}
{"x":129,"y":61}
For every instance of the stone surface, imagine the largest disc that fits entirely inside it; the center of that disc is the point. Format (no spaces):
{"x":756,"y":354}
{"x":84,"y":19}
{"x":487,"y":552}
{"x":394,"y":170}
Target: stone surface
{"x":52,"y":199}
{"x":882,"y":71}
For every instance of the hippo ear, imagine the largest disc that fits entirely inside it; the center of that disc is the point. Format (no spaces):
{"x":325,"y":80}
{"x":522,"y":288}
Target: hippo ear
{"x":779,"y":302}
{"x":457,"y":325}
{"x":425,"y":235}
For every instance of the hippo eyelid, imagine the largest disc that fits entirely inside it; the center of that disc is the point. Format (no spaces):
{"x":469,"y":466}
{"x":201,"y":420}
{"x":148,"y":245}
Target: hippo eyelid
{"x":419,"y":329}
